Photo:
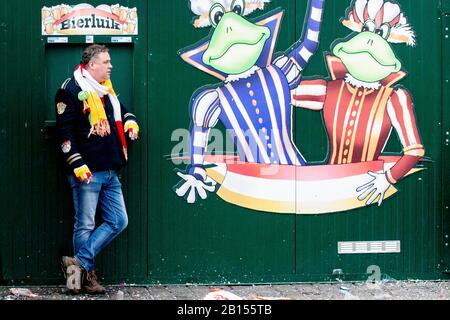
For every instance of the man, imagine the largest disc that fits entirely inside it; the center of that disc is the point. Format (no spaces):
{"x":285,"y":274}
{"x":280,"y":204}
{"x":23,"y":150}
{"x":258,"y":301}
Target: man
{"x":91,"y":128}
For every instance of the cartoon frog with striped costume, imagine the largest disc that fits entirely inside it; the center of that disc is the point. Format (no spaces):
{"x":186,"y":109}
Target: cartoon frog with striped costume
{"x":253,"y":101}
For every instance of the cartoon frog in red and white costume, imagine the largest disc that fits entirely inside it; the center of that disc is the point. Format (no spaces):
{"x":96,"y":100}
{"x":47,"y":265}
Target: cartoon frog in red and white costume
{"x":361,"y":103}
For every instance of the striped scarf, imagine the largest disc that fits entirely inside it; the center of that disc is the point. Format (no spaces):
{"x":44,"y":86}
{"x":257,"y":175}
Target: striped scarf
{"x":94,"y":105}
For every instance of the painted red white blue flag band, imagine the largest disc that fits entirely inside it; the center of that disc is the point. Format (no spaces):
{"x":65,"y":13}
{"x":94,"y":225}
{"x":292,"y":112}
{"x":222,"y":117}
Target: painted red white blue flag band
{"x":294,"y":189}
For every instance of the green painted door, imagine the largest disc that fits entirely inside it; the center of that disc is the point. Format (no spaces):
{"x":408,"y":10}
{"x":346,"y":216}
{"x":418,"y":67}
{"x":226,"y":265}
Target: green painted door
{"x":37,"y":213}
{"x":220,"y":242}
{"x":413,"y":216}
{"x":446,"y":139}
{"x":211,"y":241}
{"x":61,"y":59}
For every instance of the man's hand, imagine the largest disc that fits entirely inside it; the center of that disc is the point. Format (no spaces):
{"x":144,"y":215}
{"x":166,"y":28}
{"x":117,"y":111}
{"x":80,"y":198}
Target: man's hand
{"x":83,"y":174}
{"x":377,"y":186}
{"x":134,"y":135}
{"x":133,"y":129}
{"x":194,"y":186}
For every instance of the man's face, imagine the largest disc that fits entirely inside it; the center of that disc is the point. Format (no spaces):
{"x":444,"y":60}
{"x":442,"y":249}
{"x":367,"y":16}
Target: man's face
{"x":100,"y":67}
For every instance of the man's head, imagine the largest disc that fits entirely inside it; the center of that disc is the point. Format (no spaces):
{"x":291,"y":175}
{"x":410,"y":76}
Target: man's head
{"x":97,"y":62}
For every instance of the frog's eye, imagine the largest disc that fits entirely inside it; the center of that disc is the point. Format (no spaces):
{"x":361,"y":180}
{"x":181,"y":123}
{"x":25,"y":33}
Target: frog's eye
{"x":369,"y":26}
{"x":238,"y":7}
{"x":216,"y":13}
{"x":384,"y":31}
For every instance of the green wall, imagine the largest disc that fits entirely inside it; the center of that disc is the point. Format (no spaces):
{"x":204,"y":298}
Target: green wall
{"x":169,"y":241}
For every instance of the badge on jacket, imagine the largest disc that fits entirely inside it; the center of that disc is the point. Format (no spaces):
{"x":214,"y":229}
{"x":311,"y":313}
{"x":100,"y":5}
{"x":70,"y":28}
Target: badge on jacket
{"x":61,"y":107}
{"x":66,"y":146}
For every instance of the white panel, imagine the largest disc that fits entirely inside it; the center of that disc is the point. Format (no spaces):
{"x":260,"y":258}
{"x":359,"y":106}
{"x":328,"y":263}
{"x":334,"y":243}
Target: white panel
{"x":355,"y":247}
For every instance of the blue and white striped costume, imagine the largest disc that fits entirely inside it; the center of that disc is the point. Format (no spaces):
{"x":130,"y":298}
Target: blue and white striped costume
{"x":256,"y":107}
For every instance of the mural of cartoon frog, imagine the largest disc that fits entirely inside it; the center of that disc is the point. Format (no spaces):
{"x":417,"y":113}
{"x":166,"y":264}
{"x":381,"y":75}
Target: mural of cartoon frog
{"x":361,"y":103}
{"x":253,"y":101}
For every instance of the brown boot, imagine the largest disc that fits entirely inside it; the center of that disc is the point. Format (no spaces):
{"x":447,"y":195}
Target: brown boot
{"x":90,"y":283}
{"x":73,"y":273}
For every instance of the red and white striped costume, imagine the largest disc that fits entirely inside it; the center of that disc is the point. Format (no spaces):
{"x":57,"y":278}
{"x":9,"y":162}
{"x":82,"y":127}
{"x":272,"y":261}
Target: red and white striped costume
{"x":359,"y":120}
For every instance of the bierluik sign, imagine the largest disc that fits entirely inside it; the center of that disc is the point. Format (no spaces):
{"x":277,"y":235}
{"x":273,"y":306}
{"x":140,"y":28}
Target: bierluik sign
{"x":85,"y":19}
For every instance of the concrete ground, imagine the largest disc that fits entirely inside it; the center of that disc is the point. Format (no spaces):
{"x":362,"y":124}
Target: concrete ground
{"x":385,"y":290}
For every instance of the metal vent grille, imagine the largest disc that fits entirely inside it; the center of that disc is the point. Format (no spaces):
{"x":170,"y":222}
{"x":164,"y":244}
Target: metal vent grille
{"x":355,"y":247}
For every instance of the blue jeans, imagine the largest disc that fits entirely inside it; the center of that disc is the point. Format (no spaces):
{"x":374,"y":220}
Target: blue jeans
{"x":104,"y":191}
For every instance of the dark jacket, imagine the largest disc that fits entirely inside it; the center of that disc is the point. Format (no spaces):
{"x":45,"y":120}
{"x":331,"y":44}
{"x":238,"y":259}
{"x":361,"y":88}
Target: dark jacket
{"x":73,"y":127}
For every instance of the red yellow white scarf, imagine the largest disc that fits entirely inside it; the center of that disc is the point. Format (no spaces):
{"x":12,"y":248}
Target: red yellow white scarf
{"x":92,"y":95}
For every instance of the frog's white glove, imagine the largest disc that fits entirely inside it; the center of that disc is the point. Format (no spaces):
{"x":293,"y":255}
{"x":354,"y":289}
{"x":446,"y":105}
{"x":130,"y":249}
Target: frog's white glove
{"x":377,"y":186}
{"x":195,"y":186}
